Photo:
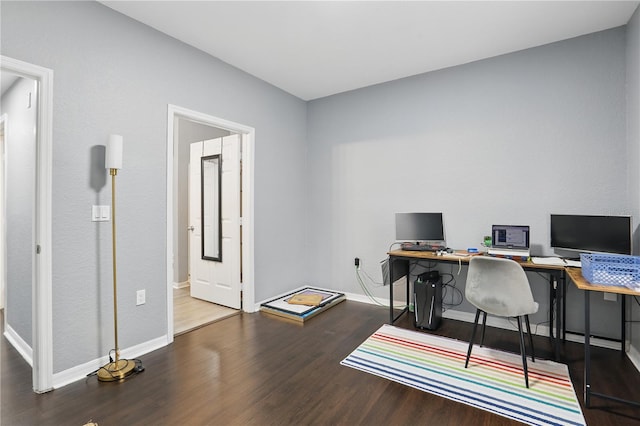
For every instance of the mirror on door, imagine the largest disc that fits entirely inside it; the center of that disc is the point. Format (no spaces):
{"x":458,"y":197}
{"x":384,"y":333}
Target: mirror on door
{"x":211,"y":199}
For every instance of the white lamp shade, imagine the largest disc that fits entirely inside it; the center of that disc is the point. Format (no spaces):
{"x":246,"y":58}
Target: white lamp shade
{"x":113,"y":155}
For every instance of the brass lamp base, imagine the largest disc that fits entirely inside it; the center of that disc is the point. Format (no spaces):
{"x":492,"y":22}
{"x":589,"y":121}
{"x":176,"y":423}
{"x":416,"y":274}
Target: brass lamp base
{"x":116,"y":370}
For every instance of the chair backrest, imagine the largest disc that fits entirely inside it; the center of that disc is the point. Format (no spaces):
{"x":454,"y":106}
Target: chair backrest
{"x":499,"y":287}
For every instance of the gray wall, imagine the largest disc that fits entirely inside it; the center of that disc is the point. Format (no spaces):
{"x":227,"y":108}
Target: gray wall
{"x":504,"y":140}
{"x":20,"y":182}
{"x":114,"y":75}
{"x":633,"y":137}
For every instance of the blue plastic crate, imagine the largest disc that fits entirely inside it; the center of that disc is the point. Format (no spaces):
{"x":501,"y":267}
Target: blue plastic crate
{"x":611,"y":269}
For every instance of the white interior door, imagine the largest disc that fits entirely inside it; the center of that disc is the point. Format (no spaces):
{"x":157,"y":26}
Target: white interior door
{"x":216,"y":281}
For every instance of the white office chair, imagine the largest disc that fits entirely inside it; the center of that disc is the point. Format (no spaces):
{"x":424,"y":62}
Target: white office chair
{"x":500,"y":287}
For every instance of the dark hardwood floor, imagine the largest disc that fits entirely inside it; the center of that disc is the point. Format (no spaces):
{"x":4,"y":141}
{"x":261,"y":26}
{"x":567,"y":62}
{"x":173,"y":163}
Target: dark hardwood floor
{"x":257,"y":369}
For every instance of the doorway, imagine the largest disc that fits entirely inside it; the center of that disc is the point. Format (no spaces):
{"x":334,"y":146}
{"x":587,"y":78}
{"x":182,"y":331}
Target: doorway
{"x":38,"y":352}
{"x":184,"y":128}
{"x":19,"y":105}
{"x":198,"y":296}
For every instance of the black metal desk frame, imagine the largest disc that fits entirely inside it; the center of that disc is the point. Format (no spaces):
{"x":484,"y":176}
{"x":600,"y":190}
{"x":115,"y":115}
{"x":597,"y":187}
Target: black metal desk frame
{"x":576,"y":276}
{"x":399,"y":263}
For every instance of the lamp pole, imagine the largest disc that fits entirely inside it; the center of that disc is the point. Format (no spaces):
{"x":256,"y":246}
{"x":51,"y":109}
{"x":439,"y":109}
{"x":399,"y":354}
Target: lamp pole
{"x":116,"y":369}
{"x":113,"y":173}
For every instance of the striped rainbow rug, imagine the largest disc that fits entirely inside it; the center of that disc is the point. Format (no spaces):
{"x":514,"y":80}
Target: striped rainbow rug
{"x":494,"y":380}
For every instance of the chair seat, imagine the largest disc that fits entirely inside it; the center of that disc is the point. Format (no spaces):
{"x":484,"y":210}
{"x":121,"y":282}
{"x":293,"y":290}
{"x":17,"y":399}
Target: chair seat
{"x":500,"y":307}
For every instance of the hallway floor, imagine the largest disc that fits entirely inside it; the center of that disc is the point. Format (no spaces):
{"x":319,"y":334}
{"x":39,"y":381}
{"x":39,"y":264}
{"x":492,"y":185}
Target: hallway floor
{"x":190,"y":313}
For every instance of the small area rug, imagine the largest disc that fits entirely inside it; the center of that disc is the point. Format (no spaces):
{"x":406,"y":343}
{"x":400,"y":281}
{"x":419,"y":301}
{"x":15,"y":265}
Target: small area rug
{"x":494,"y":380}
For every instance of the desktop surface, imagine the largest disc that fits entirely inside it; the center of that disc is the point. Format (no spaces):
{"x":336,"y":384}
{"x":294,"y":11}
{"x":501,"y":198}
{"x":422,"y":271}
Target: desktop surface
{"x":581,"y":282}
{"x":464,"y":257}
{"x":421,"y":247}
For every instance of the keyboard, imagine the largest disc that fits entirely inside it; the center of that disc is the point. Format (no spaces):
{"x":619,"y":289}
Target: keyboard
{"x":421,"y":247}
{"x":508,"y":252}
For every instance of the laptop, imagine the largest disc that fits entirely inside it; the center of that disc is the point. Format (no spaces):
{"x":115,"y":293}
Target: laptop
{"x":509,"y":240}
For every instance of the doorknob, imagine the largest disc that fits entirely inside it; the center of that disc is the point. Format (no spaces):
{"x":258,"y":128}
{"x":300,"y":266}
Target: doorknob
{"x":191,"y":228}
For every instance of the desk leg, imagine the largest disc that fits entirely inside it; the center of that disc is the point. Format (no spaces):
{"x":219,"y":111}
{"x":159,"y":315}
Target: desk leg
{"x":561,"y":311}
{"x":407,"y":296}
{"x":587,"y":350}
{"x":553,"y":296}
{"x":623,"y":332}
{"x":564,"y":306}
{"x":391,"y":275}
{"x":559,"y":300}
{"x":393,"y":271}
{"x":556,"y":294}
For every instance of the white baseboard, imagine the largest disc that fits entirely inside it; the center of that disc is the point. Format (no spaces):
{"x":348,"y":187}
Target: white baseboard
{"x":538,"y":330}
{"x":634,"y":356}
{"x":19,"y":344}
{"x":182,"y":284}
{"x":503,"y":323}
{"x":366,"y":299}
{"x":80,"y":372}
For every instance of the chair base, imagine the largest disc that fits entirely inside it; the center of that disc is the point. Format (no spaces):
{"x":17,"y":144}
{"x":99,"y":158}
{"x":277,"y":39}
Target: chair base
{"x":523,"y":349}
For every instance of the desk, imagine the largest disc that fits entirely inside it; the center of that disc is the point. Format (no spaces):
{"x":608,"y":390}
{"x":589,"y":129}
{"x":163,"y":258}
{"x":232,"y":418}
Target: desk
{"x":399,"y":267}
{"x":575,"y":274}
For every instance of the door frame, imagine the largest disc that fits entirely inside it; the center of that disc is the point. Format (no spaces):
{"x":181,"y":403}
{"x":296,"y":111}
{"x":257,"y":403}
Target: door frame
{"x":247,"y":220}
{"x":42,"y":306}
{"x":3,"y":215}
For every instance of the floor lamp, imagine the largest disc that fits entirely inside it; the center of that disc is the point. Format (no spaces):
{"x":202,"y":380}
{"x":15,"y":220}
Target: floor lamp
{"x":116,"y":369}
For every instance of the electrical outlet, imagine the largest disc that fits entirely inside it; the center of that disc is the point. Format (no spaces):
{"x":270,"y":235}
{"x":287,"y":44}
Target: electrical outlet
{"x":611,"y":297}
{"x":140,"y":297}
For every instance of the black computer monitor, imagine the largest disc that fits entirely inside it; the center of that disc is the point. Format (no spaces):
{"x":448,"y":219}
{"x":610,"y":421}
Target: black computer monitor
{"x":593,"y":234}
{"x":419,"y":227}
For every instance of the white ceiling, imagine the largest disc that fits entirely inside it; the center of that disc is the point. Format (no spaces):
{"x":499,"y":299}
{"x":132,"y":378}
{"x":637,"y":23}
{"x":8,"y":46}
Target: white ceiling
{"x":313,"y":49}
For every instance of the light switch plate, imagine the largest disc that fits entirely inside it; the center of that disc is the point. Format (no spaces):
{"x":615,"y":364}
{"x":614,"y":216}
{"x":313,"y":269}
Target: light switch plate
{"x":100,"y":213}
{"x":140,"y":297}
